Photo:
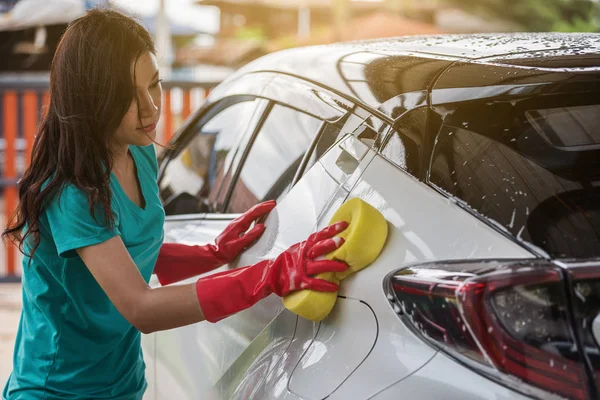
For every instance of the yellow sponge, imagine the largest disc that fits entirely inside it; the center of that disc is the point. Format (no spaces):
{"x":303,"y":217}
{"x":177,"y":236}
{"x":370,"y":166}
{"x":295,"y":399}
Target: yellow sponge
{"x":364,"y":240}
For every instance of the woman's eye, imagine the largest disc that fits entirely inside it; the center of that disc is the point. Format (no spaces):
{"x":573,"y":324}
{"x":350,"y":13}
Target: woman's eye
{"x":155,"y":84}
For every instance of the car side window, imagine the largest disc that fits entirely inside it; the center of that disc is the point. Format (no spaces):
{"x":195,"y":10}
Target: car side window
{"x":198,"y":172}
{"x":500,"y":160}
{"x":274,"y":157}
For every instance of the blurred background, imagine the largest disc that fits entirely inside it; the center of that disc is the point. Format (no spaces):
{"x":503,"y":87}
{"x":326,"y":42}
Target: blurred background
{"x":225,"y":34}
{"x":201,"y":42}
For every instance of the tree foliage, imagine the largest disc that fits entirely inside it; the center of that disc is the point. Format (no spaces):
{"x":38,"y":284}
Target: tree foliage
{"x":540,"y":15}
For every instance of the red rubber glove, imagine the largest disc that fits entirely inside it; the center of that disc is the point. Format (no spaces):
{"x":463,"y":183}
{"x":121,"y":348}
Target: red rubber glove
{"x":180,"y":261}
{"x":226,"y":293}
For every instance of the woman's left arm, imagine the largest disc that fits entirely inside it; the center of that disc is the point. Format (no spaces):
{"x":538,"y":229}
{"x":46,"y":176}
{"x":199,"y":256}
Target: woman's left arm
{"x":177,"y":262}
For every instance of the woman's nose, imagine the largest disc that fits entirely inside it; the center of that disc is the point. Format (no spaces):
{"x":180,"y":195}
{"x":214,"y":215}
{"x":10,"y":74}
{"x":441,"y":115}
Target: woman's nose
{"x":148,"y":106}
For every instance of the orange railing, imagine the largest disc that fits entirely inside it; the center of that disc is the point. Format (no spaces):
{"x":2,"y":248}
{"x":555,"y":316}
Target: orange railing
{"x":22,"y":102}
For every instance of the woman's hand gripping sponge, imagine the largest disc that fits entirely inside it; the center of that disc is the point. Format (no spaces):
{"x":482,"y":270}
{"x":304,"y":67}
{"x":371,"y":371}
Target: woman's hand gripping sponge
{"x":364,"y":240}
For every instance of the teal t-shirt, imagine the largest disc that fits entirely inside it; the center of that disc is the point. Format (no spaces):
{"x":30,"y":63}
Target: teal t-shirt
{"x":72,"y":342}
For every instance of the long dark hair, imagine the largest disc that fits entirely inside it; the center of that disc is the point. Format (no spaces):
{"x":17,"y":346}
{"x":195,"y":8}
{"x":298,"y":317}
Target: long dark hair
{"x":91,"y":89}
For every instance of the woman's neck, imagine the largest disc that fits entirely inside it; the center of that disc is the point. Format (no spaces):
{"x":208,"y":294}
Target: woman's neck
{"x":121,"y":160}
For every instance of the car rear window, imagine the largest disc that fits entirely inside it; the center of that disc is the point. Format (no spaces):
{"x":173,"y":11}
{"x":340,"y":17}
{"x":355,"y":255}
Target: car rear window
{"x":567,"y":126}
{"x":530,"y":169}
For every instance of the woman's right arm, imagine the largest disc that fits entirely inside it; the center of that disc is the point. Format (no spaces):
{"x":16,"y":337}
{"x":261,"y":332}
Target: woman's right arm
{"x":213,"y":297}
{"x":147,"y":309}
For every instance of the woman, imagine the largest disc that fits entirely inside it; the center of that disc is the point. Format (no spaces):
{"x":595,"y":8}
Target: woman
{"x":90,"y":224}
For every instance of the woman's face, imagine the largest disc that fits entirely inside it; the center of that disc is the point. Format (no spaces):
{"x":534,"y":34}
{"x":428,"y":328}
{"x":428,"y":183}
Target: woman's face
{"x":148,"y":88}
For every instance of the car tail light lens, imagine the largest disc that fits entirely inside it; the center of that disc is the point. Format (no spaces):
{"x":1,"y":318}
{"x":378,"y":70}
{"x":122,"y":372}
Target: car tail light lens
{"x":585,"y":280}
{"x":507,"y":320}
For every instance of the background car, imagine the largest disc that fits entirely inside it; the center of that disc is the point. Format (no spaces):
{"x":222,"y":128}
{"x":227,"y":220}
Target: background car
{"x":482,"y":153}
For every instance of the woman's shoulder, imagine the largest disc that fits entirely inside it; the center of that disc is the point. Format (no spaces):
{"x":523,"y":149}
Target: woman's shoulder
{"x":64,"y":194}
{"x":71,"y":200}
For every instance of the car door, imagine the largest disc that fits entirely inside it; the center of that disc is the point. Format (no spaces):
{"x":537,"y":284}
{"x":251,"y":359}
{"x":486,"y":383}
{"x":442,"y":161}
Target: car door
{"x":189,"y":360}
{"x":265,"y":368}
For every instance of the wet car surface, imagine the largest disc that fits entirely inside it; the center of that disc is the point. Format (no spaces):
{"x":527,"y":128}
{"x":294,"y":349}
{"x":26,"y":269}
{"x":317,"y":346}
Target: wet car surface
{"x":481,"y":151}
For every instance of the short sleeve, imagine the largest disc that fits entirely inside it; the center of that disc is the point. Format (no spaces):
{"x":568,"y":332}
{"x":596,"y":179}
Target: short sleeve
{"x":71,"y":224}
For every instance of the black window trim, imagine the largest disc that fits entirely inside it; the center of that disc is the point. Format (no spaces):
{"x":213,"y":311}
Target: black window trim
{"x":308,"y":153}
{"x":244,"y":146}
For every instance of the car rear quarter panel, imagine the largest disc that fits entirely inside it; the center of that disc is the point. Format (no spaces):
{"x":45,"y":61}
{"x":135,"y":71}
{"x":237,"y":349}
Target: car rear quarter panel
{"x":423,"y":225}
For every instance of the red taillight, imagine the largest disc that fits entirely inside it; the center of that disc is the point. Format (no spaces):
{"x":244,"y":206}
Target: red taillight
{"x":512,"y":319}
{"x":585,"y":283}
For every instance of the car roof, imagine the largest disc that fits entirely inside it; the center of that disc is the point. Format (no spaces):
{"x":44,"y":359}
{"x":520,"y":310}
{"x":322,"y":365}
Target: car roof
{"x":375,"y":71}
{"x":472,"y":46}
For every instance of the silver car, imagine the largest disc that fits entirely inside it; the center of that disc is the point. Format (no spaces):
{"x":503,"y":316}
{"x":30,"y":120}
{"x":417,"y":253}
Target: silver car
{"x":482,"y":153}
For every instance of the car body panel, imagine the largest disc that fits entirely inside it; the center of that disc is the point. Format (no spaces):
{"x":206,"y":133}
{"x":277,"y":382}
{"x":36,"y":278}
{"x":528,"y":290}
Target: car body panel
{"x":480,"y":80}
{"x":215,"y":347}
{"x":292,"y":221}
{"x":266,"y":352}
{"x":327,"y":359}
{"x":444,"y":378}
{"x":309,"y":205}
{"x":263,"y":357}
{"x":397,"y":352}
{"x":406,"y":204}
{"x":180,"y":357}
{"x":148,"y":343}
{"x":191,"y":366}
